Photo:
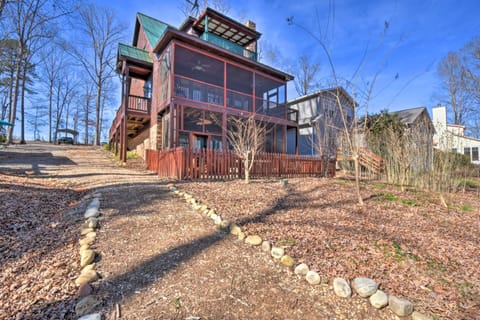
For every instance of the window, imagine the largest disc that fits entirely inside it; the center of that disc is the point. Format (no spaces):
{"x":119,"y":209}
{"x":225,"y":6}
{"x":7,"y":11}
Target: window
{"x":454,"y":150}
{"x":215,"y":142}
{"x":183,"y":140}
{"x":475,"y":154}
{"x":466,"y":151}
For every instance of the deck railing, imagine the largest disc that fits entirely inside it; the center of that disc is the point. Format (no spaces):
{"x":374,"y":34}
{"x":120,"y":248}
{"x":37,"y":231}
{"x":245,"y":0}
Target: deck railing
{"x":204,"y":164}
{"x":199,"y":91}
{"x":136,"y":104}
{"x":230,"y":46}
{"x":139,"y":104}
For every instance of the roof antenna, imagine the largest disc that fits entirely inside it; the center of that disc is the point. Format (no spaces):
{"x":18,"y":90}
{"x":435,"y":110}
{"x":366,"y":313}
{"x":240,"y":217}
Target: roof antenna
{"x":195,"y":7}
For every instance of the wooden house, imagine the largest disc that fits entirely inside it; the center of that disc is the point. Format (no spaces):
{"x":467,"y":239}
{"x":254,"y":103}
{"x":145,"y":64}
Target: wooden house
{"x":180,"y":85}
{"x":320,"y":120}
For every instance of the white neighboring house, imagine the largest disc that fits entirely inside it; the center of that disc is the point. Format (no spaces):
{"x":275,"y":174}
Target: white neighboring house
{"x":451,"y":137}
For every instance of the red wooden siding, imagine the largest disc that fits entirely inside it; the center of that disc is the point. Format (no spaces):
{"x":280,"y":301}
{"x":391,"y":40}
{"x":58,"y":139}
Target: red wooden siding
{"x":182,"y":163}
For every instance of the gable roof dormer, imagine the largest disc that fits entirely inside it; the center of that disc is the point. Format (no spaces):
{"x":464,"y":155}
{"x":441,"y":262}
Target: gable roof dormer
{"x":152,"y":28}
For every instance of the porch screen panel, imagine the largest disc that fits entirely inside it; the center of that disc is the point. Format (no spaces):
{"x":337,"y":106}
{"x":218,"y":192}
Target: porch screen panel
{"x":165,"y":70}
{"x":239,"y":88}
{"x":198,"y":66}
{"x":279,"y":138}
{"x":198,"y":76}
{"x":192,"y":119}
{"x":212,"y":122}
{"x":270,"y":97}
{"x":269,"y":136}
{"x":183,"y":140}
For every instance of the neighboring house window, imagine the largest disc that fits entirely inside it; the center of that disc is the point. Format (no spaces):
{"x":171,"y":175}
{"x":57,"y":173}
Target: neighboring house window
{"x":466,"y":151}
{"x":454,"y":150}
{"x":475,"y":154}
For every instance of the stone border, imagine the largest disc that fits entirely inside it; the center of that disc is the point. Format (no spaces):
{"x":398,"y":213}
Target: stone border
{"x":88,"y":274}
{"x":364,"y":287}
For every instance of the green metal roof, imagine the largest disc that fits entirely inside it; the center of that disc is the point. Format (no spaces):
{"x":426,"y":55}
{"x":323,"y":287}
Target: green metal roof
{"x":134,"y":53}
{"x":153,"y":28}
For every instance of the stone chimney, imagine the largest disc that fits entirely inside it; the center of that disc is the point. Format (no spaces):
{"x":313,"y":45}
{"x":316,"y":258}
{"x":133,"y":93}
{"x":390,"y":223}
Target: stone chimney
{"x":251,"y":25}
{"x":252,"y":46}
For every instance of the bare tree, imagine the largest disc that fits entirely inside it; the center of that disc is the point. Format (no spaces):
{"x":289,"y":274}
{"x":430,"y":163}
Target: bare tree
{"x":194,"y":7}
{"x":349,"y":126}
{"x":327,"y":125}
{"x":306,"y":72}
{"x":9,"y":48}
{"x":65,"y":92}
{"x":87,"y":97}
{"x":455,"y":77}
{"x":472,"y":60}
{"x":103,"y":32}
{"x":247,"y":138}
{"x":31,"y":22}
{"x":53,"y":62}
{"x":347,"y":133}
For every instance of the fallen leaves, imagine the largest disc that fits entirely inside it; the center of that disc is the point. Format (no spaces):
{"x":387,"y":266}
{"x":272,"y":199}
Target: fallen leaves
{"x":37,"y":249}
{"x":413,"y":251}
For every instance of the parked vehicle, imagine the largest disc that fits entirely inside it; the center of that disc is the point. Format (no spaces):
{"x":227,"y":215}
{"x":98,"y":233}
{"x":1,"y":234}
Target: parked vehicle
{"x":65,"y":140}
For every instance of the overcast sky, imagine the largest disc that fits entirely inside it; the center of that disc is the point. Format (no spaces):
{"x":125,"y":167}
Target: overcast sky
{"x":419,"y":34}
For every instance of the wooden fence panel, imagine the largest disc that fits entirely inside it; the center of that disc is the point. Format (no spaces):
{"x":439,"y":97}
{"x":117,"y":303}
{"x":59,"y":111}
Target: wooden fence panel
{"x":182,"y":163}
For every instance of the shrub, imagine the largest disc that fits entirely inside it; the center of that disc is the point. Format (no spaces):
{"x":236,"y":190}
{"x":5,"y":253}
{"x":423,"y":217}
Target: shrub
{"x":132,"y":155}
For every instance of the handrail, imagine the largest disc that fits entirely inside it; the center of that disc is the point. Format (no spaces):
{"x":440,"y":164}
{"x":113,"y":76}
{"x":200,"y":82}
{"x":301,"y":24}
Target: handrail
{"x":139,"y":104}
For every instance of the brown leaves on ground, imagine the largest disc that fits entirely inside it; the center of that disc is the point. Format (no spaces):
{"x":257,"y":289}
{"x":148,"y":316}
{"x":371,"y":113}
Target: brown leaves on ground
{"x":408,"y":242}
{"x":37,"y":249}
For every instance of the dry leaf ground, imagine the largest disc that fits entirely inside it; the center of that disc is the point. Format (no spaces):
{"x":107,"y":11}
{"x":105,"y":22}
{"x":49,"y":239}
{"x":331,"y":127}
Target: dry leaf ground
{"x":408,"y":242}
{"x":161,"y":260}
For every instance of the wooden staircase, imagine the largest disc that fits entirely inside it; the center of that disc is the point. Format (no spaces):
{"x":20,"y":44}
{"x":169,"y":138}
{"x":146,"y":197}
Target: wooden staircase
{"x":368,"y":161}
{"x":371,"y":161}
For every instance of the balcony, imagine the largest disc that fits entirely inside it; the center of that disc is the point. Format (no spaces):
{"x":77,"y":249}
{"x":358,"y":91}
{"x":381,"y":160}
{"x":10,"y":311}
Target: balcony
{"x":139,"y":104}
{"x":230,"y":46}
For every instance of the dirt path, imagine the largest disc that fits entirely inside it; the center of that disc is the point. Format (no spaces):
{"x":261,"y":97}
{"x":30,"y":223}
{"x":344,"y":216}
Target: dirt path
{"x":159,"y":259}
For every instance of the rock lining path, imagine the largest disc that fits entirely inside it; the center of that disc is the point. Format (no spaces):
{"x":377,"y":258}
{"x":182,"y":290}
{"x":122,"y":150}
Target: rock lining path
{"x":159,"y":259}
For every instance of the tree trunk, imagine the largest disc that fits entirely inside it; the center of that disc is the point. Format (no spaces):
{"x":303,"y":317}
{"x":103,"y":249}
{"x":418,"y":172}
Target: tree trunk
{"x":87,"y":108}
{"x":10,"y":93}
{"x":22,"y":103}
{"x":58,"y":116}
{"x":357,"y":176}
{"x":247,"y":170}
{"x":50,"y":115}
{"x":13,"y":107}
{"x":97,"y":112}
